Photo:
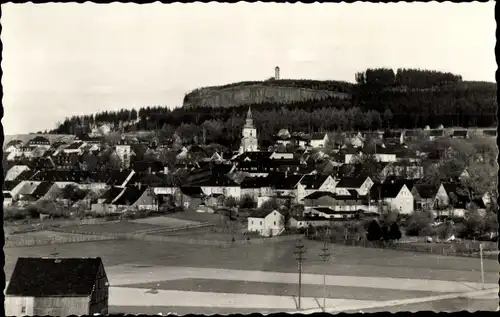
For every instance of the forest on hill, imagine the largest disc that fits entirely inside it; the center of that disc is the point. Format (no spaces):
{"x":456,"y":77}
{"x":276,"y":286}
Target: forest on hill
{"x":381,"y":98}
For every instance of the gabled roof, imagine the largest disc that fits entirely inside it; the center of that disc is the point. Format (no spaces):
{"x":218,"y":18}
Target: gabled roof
{"x":44,"y":277}
{"x":111,"y":194}
{"x":313,"y":181}
{"x":319,"y":194}
{"x":215,"y":182}
{"x":14,"y":142}
{"x":39,"y":140}
{"x":42,"y":189}
{"x":74,"y":146}
{"x":62,"y":176}
{"x":118,"y":177}
{"x":130,"y":195}
{"x":261,"y":213}
{"x":351,"y":182}
{"x":408,"y":182}
{"x":426,"y":191}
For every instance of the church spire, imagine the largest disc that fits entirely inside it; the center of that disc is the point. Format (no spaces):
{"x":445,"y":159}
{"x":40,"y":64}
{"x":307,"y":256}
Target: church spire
{"x":249,"y":120}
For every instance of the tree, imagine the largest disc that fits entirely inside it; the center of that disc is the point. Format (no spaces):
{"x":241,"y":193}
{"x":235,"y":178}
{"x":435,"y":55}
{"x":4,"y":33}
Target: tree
{"x":388,"y":117}
{"x":394,"y":232}
{"x":231,"y":202}
{"x":417,"y":222}
{"x":247,"y":202}
{"x":374,"y":231}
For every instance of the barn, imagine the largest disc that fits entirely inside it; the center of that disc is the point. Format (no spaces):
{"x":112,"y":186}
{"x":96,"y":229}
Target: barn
{"x":57,"y":287}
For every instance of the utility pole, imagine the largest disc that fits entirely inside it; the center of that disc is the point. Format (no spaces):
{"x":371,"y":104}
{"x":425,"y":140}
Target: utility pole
{"x":326,"y":257}
{"x":300,"y":251}
{"x":482,"y":268}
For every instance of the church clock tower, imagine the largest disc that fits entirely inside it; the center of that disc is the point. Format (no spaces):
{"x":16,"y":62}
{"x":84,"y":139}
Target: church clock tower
{"x":249,"y":140}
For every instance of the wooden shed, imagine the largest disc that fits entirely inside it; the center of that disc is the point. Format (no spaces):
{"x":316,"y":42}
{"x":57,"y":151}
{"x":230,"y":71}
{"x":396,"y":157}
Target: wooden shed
{"x":57,"y":287}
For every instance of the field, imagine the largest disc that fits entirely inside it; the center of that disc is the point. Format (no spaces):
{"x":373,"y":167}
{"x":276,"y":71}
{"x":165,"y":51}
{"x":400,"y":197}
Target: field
{"x":118,"y":227}
{"x":186,"y":278}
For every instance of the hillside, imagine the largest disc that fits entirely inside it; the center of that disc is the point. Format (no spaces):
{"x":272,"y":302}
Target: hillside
{"x":276,"y":91}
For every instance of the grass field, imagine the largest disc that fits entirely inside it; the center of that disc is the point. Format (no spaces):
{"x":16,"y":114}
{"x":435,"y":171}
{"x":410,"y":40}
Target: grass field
{"x":167,"y":222}
{"x":271,"y":257}
{"x":40,"y":235}
{"x":115,"y":227}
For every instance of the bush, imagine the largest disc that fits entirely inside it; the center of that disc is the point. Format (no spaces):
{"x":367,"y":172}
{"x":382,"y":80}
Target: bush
{"x":374,"y":231}
{"x":394,"y":232}
{"x":417,"y":222}
{"x":14,"y":214}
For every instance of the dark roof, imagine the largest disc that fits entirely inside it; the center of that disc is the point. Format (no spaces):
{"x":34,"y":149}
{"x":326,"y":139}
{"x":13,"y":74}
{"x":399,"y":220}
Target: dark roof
{"x":351,"y":182}
{"x":437,"y":132}
{"x":254,"y":155}
{"x":111,"y":194}
{"x":14,"y":142}
{"x":283,"y":181}
{"x":460,"y":133}
{"x":130,"y":195}
{"x":216,"y":181}
{"x":44,"y":277}
{"x":39,"y":140}
{"x":453,"y":188}
{"x":393,"y":180}
{"x":74,"y":146}
{"x":10,"y":185}
{"x":192,"y":191}
{"x":150,"y":180}
{"x":26,"y":175}
{"x":330,"y":211}
{"x":42,"y":189}
{"x":313,"y":181}
{"x":118,"y":177}
{"x":260,"y":213}
{"x":411,"y":133}
{"x":255,"y":182}
{"x":385,"y":190}
{"x":426,"y":191}
{"x":62,"y":176}
{"x":319,"y":194}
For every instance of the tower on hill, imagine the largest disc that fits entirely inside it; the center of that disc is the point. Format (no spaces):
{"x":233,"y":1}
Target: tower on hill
{"x":276,"y":73}
{"x":249,"y":140}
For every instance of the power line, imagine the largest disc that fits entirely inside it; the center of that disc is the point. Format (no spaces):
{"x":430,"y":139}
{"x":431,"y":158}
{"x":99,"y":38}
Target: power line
{"x":325,"y":255}
{"x":300,"y":251}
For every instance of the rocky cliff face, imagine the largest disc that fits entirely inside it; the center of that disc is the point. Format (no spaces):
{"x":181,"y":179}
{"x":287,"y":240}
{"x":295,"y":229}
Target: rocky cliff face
{"x":236,"y":96}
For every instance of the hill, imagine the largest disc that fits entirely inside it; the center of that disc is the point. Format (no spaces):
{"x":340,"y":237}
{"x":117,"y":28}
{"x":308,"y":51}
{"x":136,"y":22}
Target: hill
{"x":278,"y":91}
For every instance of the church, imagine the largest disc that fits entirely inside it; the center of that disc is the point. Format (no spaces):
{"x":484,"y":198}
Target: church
{"x":249,"y":140}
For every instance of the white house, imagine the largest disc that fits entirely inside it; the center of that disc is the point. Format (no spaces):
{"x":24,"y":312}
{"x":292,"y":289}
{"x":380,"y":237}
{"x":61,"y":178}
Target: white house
{"x":395,"y":195}
{"x":355,"y":139}
{"x":267,"y":223}
{"x":361,"y":184}
{"x":319,"y":140}
{"x":313,"y":183}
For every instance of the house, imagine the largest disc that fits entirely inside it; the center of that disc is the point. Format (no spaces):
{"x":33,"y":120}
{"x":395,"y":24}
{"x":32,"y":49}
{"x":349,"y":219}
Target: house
{"x":75,"y":147}
{"x":214,"y":200}
{"x":319,"y":199}
{"x":189,"y":197}
{"x":351,"y":154}
{"x":283,"y":184}
{"x":66,"y":161}
{"x":399,"y":169}
{"x":57,"y":287}
{"x":302,"y":222}
{"x":15,"y":171}
{"x":361,"y":184}
{"x":219,"y":185}
{"x":395,"y":196}
{"x":319,"y":140}
{"x":39,"y":141}
{"x":412,"y":135}
{"x":423,"y":196}
{"x":435,"y":134}
{"x":255,"y":187}
{"x":12,"y":145}
{"x":356,"y":140}
{"x":266,"y":223}
{"x":309,"y":184}
{"x":300,"y":140}
{"x":459,"y":134}
{"x":331,"y":214}
{"x":393,"y":137}
{"x":120,"y":178}
{"x":118,"y":199}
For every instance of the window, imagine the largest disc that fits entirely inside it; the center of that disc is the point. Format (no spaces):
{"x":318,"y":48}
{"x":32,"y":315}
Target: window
{"x":261,"y":223}
{"x":252,"y":222}
{"x":275,"y":223}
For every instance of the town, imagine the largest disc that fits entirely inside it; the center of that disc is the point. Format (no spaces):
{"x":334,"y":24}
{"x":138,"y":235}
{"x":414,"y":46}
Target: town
{"x":307,"y":159}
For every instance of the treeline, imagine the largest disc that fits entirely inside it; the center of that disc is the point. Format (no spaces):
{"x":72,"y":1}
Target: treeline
{"x":454,"y":103}
{"x":414,"y":78}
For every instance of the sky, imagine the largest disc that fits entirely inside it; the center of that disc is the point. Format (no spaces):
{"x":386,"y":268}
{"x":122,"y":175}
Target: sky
{"x":66,"y":59}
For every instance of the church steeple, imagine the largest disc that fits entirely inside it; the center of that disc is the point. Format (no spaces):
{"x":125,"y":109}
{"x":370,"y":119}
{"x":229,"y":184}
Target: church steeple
{"x":249,"y":120}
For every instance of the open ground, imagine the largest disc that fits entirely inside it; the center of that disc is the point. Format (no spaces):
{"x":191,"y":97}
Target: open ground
{"x":152,"y":277}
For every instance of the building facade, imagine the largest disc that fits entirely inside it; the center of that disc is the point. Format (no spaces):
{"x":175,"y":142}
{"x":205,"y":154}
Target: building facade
{"x":249,"y":140}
